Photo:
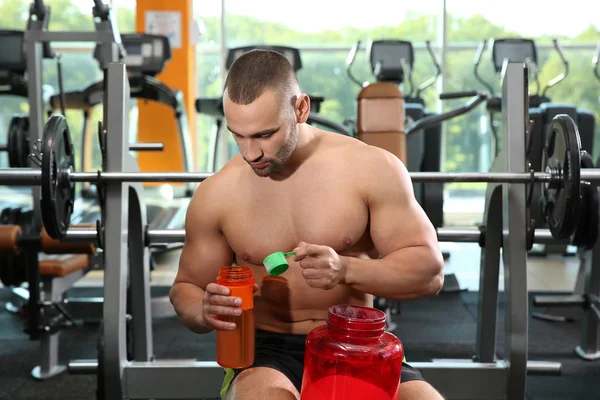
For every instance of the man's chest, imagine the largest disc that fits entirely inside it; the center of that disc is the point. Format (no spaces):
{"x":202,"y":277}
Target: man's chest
{"x":258,"y":225}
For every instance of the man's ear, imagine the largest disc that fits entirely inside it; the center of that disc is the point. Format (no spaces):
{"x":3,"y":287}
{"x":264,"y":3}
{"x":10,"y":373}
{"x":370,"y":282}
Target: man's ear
{"x":302,"y":108}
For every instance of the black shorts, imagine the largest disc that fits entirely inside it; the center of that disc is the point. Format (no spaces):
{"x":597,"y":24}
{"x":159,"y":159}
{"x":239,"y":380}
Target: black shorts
{"x":285,"y":353}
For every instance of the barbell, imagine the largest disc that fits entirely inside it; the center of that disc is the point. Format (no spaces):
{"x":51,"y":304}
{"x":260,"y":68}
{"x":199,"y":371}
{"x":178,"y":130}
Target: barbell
{"x":561,"y":177}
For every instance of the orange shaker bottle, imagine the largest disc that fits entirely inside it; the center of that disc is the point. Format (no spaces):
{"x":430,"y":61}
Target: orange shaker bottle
{"x":235,"y":348}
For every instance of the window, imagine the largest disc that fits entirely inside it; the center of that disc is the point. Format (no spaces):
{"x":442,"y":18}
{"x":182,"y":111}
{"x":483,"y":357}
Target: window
{"x":324,"y":24}
{"x":469,"y":146}
{"x":79,"y":69}
{"x":324,"y":43}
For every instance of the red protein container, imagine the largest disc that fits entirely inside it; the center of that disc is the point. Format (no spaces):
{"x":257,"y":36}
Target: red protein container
{"x":352,"y":357}
{"x":235,"y":349}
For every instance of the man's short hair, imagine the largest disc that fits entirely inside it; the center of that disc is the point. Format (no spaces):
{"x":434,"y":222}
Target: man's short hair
{"x":257,"y":70}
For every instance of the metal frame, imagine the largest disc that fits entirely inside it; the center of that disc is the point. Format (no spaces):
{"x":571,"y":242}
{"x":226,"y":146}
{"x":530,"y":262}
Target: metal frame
{"x":147,"y":378}
{"x":35,"y":36}
{"x":589,"y":347}
{"x":586,"y":295}
{"x":504,"y":213}
{"x":53,"y":290}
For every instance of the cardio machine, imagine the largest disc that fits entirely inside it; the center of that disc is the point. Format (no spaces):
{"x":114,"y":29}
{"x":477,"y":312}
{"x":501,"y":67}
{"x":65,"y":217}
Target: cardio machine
{"x":146,"y":56}
{"x":214,"y":106}
{"x":381,"y":119}
{"x":541,"y":112}
{"x":391,"y":63}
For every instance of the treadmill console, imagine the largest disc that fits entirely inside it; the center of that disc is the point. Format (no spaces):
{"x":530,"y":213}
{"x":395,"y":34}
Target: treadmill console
{"x":12,"y":56}
{"x":291,"y":53}
{"x":146,"y":54}
{"x":385,"y":57}
{"x":513,"y":49}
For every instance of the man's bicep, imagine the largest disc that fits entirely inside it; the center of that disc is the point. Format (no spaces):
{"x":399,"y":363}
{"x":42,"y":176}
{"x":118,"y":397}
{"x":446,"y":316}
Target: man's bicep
{"x":397,"y":219}
{"x":205,"y":249}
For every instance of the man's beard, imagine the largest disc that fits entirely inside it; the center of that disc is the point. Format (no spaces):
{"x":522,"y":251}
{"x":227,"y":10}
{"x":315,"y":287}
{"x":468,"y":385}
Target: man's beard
{"x":282,"y":156}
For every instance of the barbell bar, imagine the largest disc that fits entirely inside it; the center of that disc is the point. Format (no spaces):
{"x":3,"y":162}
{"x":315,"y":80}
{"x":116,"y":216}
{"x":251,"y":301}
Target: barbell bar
{"x":30,"y":177}
{"x":160,"y":236}
{"x":141,"y":146}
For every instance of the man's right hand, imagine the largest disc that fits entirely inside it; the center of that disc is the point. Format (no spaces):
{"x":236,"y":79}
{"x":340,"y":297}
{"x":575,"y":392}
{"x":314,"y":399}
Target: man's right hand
{"x":218,"y":305}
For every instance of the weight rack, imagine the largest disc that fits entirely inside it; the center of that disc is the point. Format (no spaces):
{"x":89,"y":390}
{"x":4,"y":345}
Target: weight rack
{"x":487,"y":377}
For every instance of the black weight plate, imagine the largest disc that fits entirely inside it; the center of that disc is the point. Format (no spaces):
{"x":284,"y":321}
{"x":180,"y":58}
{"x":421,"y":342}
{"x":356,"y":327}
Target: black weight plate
{"x":580,"y":237}
{"x":18,"y":141}
{"x":26,"y":222}
{"x":4,"y":216}
{"x":13,"y":142}
{"x":562,"y":196}
{"x":585,"y":236}
{"x":24,"y":142}
{"x":58,"y":194}
{"x":593,"y":218}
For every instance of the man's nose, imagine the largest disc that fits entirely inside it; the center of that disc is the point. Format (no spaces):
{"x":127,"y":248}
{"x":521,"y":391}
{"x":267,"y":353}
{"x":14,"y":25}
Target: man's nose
{"x":252,"y":151}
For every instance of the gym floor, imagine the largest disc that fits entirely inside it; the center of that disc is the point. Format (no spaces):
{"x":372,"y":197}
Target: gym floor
{"x":439,"y":327}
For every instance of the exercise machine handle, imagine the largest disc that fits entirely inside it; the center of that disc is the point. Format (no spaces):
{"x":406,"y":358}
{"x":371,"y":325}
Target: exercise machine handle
{"x":458,"y":95}
{"x":479,"y":53}
{"x":595,"y":62}
{"x":39,"y":9}
{"x":42,"y":14}
{"x":562,"y":75}
{"x":434,"y":79}
{"x":352,"y":53}
{"x":476,"y":61}
{"x":560,"y":52}
{"x":434,"y":120}
{"x":100,"y":9}
{"x":350,"y":61}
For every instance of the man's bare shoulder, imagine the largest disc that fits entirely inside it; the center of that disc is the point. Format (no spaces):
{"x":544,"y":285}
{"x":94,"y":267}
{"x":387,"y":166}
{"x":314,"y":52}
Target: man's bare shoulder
{"x":359,"y":155}
{"x":211,"y":193}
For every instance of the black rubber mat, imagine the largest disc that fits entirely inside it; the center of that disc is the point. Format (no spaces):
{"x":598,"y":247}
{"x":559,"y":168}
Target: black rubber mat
{"x":439,"y":327}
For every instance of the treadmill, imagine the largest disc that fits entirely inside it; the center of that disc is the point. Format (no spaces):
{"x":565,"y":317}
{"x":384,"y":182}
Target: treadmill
{"x":146,"y":57}
{"x":214,"y":106}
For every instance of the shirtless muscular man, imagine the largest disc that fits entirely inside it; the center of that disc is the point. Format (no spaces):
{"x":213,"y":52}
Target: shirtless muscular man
{"x":347,"y":208}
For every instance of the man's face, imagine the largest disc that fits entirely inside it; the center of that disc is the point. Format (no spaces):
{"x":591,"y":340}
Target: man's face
{"x":265,"y":131}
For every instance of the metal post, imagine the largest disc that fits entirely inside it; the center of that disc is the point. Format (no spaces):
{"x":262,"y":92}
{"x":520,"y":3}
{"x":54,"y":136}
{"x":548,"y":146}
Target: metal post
{"x":139,"y":273}
{"x":185,"y":139}
{"x":224,"y":48}
{"x":115,"y":237}
{"x":36,"y":109}
{"x":589,"y":346}
{"x":515,"y":115}
{"x":487,"y":306}
{"x":442,"y":82}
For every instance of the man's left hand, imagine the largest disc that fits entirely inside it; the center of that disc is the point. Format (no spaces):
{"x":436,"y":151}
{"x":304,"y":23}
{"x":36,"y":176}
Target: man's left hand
{"x":321,"y":266}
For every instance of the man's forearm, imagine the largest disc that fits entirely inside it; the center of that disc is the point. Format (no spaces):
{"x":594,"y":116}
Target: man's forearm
{"x":406,"y":274}
{"x":187,"y":301}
